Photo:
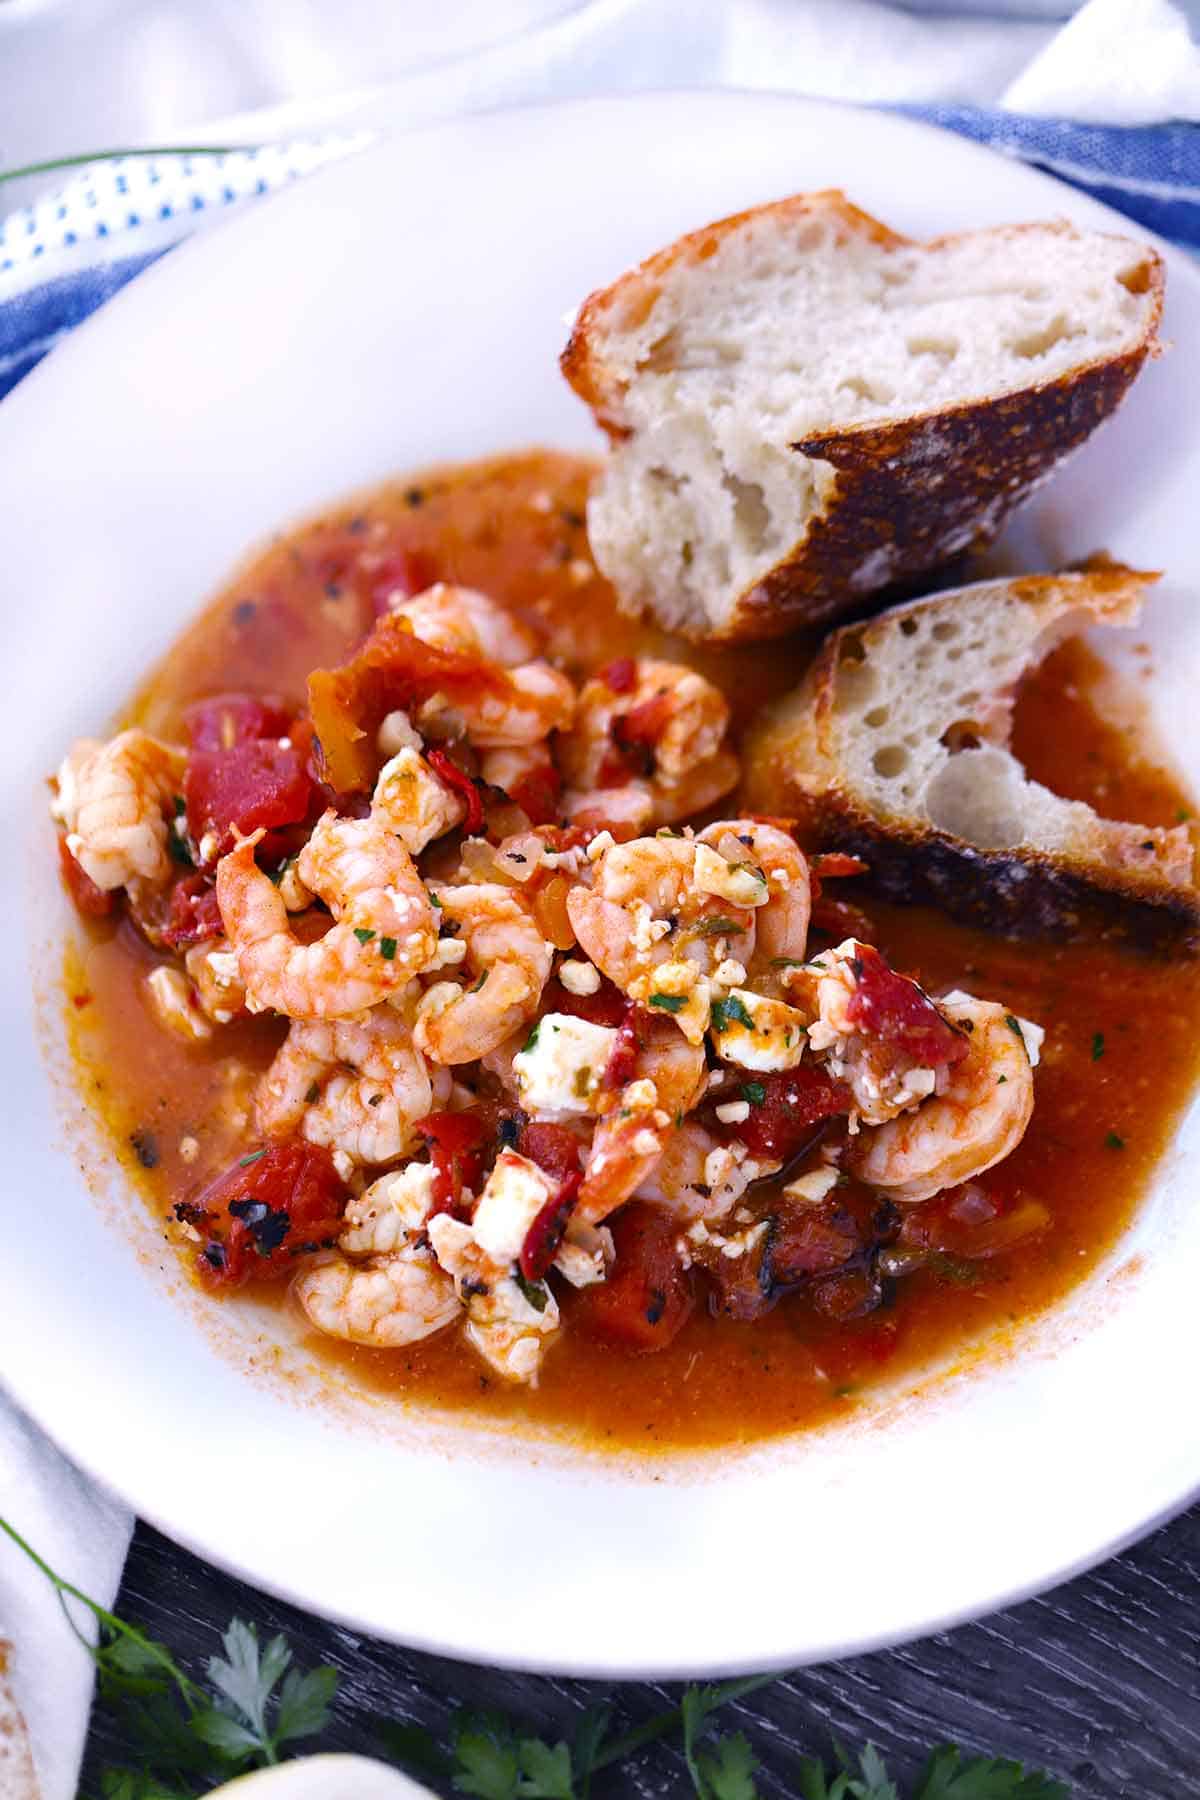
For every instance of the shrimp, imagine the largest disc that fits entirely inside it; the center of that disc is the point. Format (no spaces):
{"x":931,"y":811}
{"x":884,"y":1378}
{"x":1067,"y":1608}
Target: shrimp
{"x":505,"y":967}
{"x":663,"y":915}
{"x":781,"y":923}
{"x":398,"y":1294}
{"x":669,"y":1077}
{"x":358,"y":1086}
{"x":538,"y":699}
{"x":115,"y":800}
{"x":657,"y":726}
{"x":213,"y":971}
{"x":384,"y":930}
{"x":977,"y":1119}
{"x":699,"y":1178}
{"x":411,"y":802}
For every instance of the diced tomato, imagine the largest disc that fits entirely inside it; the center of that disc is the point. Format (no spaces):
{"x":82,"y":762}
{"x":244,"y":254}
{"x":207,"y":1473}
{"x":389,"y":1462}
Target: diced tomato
{"x":392,"y":669}
{"x":649,"y":1296}
{"x":622,"y":1063}
{"x":552,"y":1147}
{"x":560,"y":838}
{"x":620,"y":675}
{"x":406,"y":572}
{"x":834,"y":865}
{"x":270,"y":1207}
{"x":546,"y":1233}
{"x":645,"y":723}
{"x":225,"y":720}
{"x":537,"y":794}
{"x":889,"y":1006}
{"x":93,"y":902}
{"x":255,"y":784}
{"x":460,"y":783}
{"x":194,"y":915}
{"x":458,"y":1149}
{"x":607,"y":1006}
{"x":794,"y":1103}
{"x":816,"y":1240}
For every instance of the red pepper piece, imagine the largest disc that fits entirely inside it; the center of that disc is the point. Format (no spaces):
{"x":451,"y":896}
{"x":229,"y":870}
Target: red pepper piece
{"x":460,"y":783}
{"x":257,"y":784}
{"x":833,"y":865}
{"x":546,"y":1233}
{"x":622,"y":1063}
{"x":648,"y":1297}
{"x":889,"y":1006}
{"x":553,"y":1148}
{"x":607,"y":1006}
{"x":92,"y":901}
{"x":225,"y":720}
{"x":794,"y":1103}
{"x":270,"y":1207}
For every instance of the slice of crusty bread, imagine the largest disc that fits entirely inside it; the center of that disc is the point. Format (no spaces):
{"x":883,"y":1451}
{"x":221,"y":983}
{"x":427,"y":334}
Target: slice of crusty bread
{"x":895,"y":748}
{"x":807,"y":408}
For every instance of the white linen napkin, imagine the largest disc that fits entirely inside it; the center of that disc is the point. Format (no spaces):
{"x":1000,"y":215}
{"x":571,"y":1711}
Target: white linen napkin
{"x":1117,"y":61}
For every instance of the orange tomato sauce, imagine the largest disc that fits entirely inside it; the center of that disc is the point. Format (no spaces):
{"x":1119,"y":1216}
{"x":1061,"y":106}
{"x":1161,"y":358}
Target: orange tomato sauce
{"x":1121,"y":1051}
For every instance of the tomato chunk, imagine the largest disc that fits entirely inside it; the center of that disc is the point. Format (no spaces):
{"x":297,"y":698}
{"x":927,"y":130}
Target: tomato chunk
{"x":891,"y":1007}
{"x":537,"y":793}
{"x":194,"y":915}
{"x":558,"y":1155}
{"x":793,"y":1104}
{"x":393,"y":669}
{"x":260,"y":783}
{"x":607,"y":1006}
{"x":270,"y":1207}
{"x":458,"y":1148}
{"x":552,"y":1147}
{"x":620,"y":675}
{"x":648,"y":1297}
{"x":225,"y":720}
{"x":622,"y":1063}
{"x":93,"y":902}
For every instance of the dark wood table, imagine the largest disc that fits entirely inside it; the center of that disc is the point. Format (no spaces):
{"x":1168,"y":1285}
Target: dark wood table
{"x":1098,"y":1681}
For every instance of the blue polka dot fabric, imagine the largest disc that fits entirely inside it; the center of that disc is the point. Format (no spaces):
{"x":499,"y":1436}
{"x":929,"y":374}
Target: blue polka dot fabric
{"x":61,"y":259}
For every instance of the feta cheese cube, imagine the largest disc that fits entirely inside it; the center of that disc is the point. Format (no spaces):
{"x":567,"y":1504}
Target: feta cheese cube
{"x":515,"y":1194}
{"x":758,"y":1033}
{"x":562,"y":1069}
{"x":742,"y":884}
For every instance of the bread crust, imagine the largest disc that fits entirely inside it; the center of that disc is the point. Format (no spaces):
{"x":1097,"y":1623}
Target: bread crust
{"x":903,"y":497}
{"x":1020,"y":892}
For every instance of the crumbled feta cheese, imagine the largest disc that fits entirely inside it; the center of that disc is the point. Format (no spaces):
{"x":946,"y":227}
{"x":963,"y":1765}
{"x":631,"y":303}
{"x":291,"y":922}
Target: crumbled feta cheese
{"x":223,"y":967}
{"x":733,"y":1112}
{"x":208,"y":846}
{"x":397,"y":733}
{"x":812,"y":1187}
{"x":602,"y":841}
{"x":189,"y":1149}
{"x":1033,"y":1037}
{"x":585,"y":1255}
{"x":450,"y":951}
{"x":562,"y":1069}
{"x":680,"y":990}
{"x":411,"y":801}
{"x":173,"y":1001}
{"x":729,"y":974}
{"x":382,"y":1218}
{"x":646,"y":1143}
{"x":515,"y":1193}
{"x":579,"y":977}
{"x":640,"y":1095}
{"x":742,"y":884}
{"x":757,"y":1032}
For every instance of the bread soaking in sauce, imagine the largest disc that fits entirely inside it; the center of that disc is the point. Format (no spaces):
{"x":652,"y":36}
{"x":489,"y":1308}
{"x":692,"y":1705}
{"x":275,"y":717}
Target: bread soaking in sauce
{"x":442,"y":983}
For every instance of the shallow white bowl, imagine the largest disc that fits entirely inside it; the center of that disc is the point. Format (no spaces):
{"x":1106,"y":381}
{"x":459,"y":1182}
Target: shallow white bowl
{"x":404,"y":308}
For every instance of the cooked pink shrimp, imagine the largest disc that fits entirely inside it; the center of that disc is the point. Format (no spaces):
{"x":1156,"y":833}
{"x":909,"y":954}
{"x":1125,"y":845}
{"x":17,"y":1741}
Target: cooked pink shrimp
{"x":398,"y":1294}
{"x":662,"y":917}
{"x":781,"y":924}
{"x":505,"y":967}
{"x":669,"y":1078}
{"x":661,"y":729}
{"x":358,"y":1086}
{"x":978,"y":1118}
{"x":538,"y":698}
{"x":384,"y":930}
{"x":697,"y":1177}
{"x":115,"y":800}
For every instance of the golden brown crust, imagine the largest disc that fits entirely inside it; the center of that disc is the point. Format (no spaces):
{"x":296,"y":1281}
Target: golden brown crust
{"x":911,"y":495}
{"x":905,"y":497}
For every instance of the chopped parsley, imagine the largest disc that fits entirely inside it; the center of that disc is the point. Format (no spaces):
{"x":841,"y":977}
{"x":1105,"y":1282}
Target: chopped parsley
{"x":730,"y":1011}
{"x":481,"y":981}
{"x":1097,"y":1045}
{"x":180,"y":806}
{"x":718,"y":926}
{"x":245,"y":1161}
{"x":313,"y":1094}
{"x":362,"y":934}
{"x":754,"y":1092}
{"x":1014,"y":1025}
{"x":534,"y":1291}
{"x":531,"y":1041}
{"x":671,"y":1003}
{"x":387,"y":948}
{"x":434,"y":901}
{"x":1114,"y":1141}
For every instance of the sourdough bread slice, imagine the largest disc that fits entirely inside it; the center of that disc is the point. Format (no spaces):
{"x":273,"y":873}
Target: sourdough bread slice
{"x":895,"y":748}
{"x":806,"y":408}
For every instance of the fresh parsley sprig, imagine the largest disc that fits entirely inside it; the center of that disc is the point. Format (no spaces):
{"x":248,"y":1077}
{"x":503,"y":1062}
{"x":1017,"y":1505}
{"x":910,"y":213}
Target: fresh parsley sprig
{"x":186,"y":1737}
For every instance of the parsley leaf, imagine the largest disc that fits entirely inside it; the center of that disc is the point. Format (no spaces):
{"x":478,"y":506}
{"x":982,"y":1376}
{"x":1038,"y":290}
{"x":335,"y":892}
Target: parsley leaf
{"x":485,"y":1752}
{"x":728,"y":1772}
{"x":305,"y":1700}
{"x":546,"y":1772}
{"x":1097,"y":1045}
{"x":363,"y":935}
{"x":716,"y":925}
{"x":948,"y":1776}
{"x":671,"y":1003}
{"x":732,"y":1008}
{"x":387,"y":948}
{"x":1114,"y":1141}
{"x":753,"y":1092}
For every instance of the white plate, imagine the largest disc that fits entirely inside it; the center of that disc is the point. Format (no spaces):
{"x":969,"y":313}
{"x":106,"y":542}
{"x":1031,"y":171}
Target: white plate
{"x":403,"y":308}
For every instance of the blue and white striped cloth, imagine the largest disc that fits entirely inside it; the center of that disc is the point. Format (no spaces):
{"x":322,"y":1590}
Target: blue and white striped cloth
{"x":61,"y":259}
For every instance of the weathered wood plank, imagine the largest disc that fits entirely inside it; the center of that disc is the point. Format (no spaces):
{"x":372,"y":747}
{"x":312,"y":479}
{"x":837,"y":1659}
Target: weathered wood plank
{"x":1098,"y":1681}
